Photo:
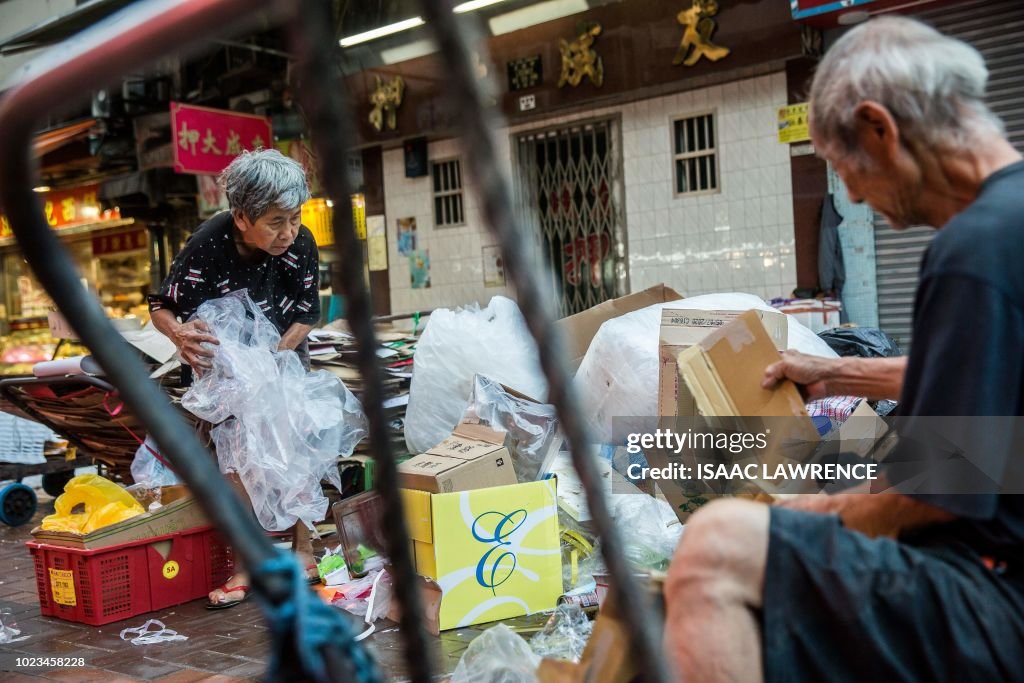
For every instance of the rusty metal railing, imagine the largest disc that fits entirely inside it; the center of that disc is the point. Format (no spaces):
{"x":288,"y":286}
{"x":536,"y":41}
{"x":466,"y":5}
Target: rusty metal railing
{"x":141,"y":34}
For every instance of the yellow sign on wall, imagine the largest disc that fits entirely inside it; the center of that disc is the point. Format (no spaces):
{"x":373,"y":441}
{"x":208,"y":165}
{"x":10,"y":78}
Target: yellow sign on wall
{"x":793,"y":123}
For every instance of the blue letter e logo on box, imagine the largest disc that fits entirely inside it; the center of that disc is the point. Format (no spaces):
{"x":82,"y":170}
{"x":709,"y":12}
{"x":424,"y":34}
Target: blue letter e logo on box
{"x":506,"y":526}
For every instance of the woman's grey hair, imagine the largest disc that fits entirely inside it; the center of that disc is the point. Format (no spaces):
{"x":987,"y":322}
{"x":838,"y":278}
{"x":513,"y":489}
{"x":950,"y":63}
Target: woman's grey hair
{"x":256,"y":181}
{"x":931,"y":84}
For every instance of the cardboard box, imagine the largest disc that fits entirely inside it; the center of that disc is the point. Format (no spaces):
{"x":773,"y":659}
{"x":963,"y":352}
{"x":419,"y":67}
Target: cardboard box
{"x":682,"y":328}
{"x":179,"y":512}
{"x":579,"y":329}
{"x":496,"y":552}
{"x":721,"y":377}
{"x":473,"y":457}
{"x":724,"y":371}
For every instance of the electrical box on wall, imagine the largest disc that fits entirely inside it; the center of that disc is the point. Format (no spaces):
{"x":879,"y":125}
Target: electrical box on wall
{"x":416,"y":158}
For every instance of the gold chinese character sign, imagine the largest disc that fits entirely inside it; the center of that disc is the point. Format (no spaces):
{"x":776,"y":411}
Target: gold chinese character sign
{"x":385,"y":100}
{"x":580,"y":60}
{"x":698,"y":27}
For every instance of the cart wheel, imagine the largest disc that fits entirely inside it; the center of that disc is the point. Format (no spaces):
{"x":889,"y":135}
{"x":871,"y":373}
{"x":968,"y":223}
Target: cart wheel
{"x":54,"y":482}
{"x":17,"y":504}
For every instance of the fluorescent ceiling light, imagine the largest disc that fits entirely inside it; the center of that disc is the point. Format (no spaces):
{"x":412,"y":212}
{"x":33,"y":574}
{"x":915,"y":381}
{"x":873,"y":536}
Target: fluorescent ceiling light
{"x":41,"y":188}
{"x":412,"y":50}
{"x":474,"y":4}
{"x":381,"y":31}
{"x":535,"y":14}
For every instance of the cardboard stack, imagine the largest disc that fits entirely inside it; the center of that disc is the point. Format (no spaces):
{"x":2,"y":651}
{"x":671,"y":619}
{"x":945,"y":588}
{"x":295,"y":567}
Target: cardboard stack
{"x":333,"y":349}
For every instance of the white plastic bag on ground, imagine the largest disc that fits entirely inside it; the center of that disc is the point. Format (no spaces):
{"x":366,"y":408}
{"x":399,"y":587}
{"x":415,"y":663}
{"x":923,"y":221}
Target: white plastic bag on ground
{"x":281,"y":428}
{"x":456,"y":345}
{"x":498,"y":655}
{"x":618,"y":376}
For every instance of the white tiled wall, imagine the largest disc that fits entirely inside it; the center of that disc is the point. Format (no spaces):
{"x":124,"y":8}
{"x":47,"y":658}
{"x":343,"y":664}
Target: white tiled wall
{"x":456,"y":253}
{"x":739,"y":239}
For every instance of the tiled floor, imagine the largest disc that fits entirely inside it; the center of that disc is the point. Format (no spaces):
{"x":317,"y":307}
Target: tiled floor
{"x":227,"y":645}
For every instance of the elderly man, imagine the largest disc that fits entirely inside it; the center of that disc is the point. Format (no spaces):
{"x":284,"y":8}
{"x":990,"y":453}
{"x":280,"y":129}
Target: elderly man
{"x":259,"y":245}
{"x":888,"y":587}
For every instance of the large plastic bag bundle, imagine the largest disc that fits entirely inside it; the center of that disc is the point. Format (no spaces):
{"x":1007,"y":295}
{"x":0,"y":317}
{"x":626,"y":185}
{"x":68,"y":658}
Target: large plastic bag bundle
{"x":280,"y":428}
{"x":532,"y":427}
{"x":455,"y":346}
{"x":618,"y":376}
{"x":101,"y":503}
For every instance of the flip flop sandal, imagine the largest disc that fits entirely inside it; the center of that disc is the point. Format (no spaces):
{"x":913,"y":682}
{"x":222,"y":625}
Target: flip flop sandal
{"x":229,"y":603}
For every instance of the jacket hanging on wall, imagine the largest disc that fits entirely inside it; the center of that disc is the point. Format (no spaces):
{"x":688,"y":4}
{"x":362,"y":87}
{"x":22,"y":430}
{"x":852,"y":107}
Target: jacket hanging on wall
{"x":831,"y":271}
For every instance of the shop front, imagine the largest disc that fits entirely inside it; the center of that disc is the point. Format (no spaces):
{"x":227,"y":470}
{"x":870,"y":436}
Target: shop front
{"x":113,"y":254}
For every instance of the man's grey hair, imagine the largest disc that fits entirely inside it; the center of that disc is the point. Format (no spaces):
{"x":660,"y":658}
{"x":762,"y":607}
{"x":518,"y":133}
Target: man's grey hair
{"x":931,"y":84}
{"x":256,"y":181}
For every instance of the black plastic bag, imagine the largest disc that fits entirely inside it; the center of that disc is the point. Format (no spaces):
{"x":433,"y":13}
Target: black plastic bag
{"x":866,"y":342}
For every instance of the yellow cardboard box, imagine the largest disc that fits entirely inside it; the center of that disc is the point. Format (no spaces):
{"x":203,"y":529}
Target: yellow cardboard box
{"x":495,"y":552}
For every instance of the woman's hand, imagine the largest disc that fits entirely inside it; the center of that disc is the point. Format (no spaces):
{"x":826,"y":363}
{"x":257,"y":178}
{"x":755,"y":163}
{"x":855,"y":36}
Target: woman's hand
{"x":189,"y":339}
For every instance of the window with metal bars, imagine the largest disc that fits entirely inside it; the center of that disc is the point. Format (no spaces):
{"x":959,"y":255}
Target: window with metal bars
{"x":695,"y":155}
{"x":448,"y":193}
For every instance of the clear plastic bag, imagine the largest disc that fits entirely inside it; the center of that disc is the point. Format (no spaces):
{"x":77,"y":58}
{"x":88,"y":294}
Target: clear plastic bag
{"x":280,"y":428}
{"x":618,"y":376}
{"x":498,"y":655}
{"x":455,"y":346}
{"x":533,"y":427}
{"x":565,"y":634}
{"x":650,"y":530}
{"x":149,"y":471}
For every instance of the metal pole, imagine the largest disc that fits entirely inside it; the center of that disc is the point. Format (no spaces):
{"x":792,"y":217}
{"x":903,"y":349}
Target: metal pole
{"x":322,"y":91}
{"x":477,"y":123}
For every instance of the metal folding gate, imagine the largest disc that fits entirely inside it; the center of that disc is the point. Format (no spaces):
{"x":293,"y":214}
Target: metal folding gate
{"x":996,"y":29}
{"x":570,"y":189}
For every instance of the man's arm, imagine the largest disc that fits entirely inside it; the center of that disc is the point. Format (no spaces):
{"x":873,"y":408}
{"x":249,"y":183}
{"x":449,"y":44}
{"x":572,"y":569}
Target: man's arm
{"x":880,"y":514}
{"x":188,"y":338}
{"x":293,"y":336}
{"x":873,"y":378}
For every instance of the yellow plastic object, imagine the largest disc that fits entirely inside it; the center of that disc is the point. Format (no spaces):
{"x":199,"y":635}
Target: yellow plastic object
{"x":102,"y":503}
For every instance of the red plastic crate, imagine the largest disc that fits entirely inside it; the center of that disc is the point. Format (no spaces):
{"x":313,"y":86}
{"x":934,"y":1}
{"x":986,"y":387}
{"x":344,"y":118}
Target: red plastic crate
{"x":109,"y":584}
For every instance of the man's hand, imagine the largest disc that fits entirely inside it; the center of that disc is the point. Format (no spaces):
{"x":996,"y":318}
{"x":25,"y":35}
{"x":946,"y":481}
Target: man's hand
{"x":189,"y":338}
{"x":810,"y":373}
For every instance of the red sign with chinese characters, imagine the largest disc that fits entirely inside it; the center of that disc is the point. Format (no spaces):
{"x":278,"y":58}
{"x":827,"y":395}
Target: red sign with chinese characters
{"x":132,"y":240}
{"x":65,"y":208}
{"x":206,"y":140}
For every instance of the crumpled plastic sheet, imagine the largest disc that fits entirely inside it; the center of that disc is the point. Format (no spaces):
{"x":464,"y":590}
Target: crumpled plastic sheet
{"x":498,"y":655}
{"x":279,"y":427}
{"x":9,"y":631}
{"x":565,"y":634}
{"x":455,"y":346}
{"x":616,"y":376}
{"x":532,"y":426}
